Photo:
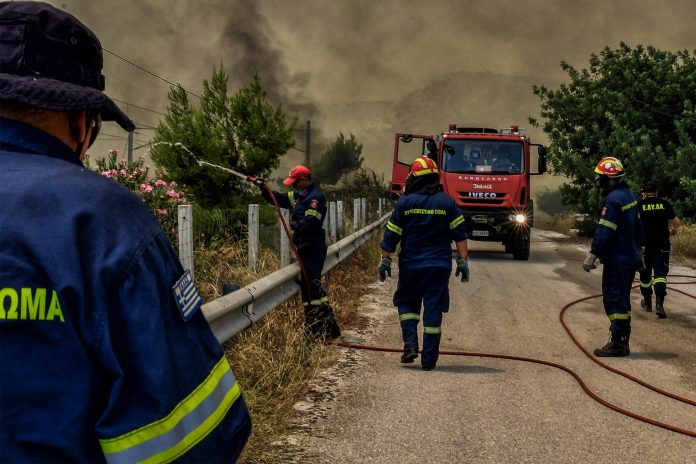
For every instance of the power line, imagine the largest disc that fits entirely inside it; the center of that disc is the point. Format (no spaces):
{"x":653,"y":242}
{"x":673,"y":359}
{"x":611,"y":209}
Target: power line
{"x":137,"y":106}
{"x":150,"y":72}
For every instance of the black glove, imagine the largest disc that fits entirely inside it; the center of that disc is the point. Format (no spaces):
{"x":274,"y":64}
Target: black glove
{"x":463,"y":269}
{"x":589,"y":262}
{"x":384,"y":268}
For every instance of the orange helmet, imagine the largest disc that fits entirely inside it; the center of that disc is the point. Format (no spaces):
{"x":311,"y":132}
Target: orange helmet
{"x":423,"y":166}
{"x":610,"y":167}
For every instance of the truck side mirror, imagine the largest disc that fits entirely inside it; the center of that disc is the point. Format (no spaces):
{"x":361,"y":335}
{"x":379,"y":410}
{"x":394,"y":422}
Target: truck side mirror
{"x":541,"y":150}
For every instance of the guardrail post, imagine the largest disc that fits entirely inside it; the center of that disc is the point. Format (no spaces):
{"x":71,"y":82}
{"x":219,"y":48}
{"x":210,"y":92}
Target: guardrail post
{"x":332,"y":222}
{"x":356,"y":214}
{"x":284,"y":241}
{"x":379,"y":207}
{"x":185,"y":226}
{"x":363,"y":211}
{"x":253,"y":237}
{"x":339,"y":219}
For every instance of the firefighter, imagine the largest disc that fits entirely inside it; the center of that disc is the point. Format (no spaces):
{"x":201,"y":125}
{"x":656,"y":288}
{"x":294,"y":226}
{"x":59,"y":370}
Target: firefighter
{"x":657,"y":216}
{"x":105,"y":353}
{"x":308,"y":208}
{"x":425,"y":221}
{"x":616,"y":243}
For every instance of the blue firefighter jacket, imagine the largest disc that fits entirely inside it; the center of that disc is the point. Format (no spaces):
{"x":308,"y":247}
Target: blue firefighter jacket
{"x":619,"y":232}
{"x":105,"y":353}
{"x":425,"y":225}
{"x":307,"y":211}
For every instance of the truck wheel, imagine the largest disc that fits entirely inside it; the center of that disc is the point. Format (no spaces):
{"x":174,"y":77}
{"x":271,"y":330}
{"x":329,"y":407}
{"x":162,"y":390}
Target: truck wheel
{"x":520,"y":246}
{"x":508,"y":245}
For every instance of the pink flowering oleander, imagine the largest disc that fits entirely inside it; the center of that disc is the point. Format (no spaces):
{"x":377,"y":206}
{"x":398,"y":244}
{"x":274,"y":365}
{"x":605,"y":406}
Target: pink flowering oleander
{"x":173,"y":194}
{"x":162,"y":212}
{"x":160,"y":183}
{"x":172,"y":184}
{"x":146,"y":188}
{"x":108,"y":174}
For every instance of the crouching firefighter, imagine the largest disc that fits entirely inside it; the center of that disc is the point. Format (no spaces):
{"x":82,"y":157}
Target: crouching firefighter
{"x":426,"y":221}
{"x":616,"y":243}
{"x":308,"y":208}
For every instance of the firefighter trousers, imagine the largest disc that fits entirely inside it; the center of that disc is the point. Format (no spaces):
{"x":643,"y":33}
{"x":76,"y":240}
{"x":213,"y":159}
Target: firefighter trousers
{"x":427,"y":287}
{"x":617,"y":280}
{"x":656,"y":269}
{"x":319,"y":316}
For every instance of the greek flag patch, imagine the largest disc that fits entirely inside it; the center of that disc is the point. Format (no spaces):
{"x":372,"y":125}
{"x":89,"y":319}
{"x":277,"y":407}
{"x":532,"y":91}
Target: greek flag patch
{"x":186,"y":295}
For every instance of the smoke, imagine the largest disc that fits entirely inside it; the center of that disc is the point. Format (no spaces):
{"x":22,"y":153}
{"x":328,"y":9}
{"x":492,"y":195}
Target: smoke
{"x":372,"y":68}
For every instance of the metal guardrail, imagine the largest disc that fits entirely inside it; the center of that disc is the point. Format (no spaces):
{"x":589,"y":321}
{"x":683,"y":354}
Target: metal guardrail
{"x":236,"y":311}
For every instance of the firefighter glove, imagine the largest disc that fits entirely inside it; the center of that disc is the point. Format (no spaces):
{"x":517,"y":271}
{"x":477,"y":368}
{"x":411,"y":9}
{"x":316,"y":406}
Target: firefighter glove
{"x":257,"y":181}
{"x":589,"y":262}
{"x":384,"y":268}
{"x":463,"y":269}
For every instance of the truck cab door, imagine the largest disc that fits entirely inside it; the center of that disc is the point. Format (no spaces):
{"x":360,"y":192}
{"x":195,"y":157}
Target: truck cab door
{"x":407,"y":148}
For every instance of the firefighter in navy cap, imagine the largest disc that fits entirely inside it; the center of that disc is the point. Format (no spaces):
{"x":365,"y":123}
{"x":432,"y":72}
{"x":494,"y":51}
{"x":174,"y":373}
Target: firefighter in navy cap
{"x":105,"y":353}
{"x":308,"y":208}
{"x":616,"y":243}
{"x":659,"y":222}
{"x":425,"y":221}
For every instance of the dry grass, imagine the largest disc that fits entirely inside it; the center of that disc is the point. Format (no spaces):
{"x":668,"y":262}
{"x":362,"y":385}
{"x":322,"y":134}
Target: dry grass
{"x":684,"y":245}
{"x":272,"y":360}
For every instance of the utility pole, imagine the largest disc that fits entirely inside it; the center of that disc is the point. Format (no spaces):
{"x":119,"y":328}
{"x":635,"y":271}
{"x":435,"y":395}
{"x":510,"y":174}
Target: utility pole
{"x":308,"y":143}
{"x":130,"y":148}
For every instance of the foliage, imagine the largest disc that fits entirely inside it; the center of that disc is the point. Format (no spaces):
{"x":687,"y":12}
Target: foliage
{"x":161,"y":196}
{"x":341,"y":157}
{"x":243,"y":132}
{"x":633,"y":103}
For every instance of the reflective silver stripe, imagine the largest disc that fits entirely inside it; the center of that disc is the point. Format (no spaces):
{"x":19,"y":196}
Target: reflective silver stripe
{"x":608,"y":224}
{"x":167,"y":444}
{"x":432,"y":330}
{"x":409,"y":317}
{"x":394,"y":228}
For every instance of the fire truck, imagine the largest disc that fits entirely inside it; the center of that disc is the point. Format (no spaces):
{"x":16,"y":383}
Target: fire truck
{"x":487,"y":172}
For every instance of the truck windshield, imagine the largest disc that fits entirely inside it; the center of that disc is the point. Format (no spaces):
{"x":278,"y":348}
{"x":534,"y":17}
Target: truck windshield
{"x":490,"y":156}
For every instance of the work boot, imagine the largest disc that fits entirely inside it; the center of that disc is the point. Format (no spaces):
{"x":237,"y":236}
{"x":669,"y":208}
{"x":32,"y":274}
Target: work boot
{"x":615,"y":348}
{"x":659,"y":307}
{"x":409,"y":355}
{"x":646,"y":304}
{"x":428,"y":367}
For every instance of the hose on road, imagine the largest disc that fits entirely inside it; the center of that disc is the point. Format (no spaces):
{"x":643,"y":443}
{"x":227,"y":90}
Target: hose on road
{"x":580,"y":381}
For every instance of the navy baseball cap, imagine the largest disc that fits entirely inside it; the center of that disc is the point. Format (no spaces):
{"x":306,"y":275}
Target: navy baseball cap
{"x":50,"y":60}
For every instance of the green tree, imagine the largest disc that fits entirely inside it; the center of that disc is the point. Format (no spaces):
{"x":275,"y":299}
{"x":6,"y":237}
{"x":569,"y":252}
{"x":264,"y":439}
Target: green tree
{"x":244,"y":132}
{"x":636,"y":104}
{"x":341,"y":157}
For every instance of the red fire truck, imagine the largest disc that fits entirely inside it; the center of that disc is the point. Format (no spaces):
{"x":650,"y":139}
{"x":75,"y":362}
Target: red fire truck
{"x":487,"y":172}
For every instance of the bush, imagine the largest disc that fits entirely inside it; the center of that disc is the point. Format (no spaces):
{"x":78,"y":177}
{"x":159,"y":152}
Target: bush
{"x":161,"y":196}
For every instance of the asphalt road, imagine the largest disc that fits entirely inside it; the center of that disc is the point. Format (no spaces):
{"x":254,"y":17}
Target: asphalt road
{"x":369,"y":408}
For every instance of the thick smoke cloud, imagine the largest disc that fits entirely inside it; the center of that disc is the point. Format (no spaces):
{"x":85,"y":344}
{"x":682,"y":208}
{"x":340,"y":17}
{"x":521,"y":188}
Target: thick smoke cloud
{"x":369,"y":67}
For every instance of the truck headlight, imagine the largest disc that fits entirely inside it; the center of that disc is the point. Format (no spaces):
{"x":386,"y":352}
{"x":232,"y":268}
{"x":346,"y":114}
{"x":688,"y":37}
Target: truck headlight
{"x":518,"y":218}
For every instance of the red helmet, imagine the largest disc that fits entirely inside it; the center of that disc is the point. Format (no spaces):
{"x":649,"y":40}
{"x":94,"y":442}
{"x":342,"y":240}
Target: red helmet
{"x":423,"y":166}
{"x":610,"y":167}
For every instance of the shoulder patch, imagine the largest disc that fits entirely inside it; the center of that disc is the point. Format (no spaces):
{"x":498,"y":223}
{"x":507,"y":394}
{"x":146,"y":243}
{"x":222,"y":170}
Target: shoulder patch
{"x":314,"y":204}
{"x":186,"y":296}
{"x":604,"y":211}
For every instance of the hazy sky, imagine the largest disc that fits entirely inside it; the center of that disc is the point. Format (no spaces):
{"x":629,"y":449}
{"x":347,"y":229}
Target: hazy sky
{"x":370,"y":67}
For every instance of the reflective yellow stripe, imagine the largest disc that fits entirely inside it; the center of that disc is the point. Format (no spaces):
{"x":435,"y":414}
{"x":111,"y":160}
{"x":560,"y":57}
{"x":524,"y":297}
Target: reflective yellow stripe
{"x":456,"y":222}
{"x":394,"y":228}
{"x":291,"y":196}
{"x":313,"y":212}
{"x":660,"y":280}
{"x":432,"y":330}
{"x":620,"y":316}
{"x":646,"y":284}
{"x":629,"y":206}
{"x":409,"y":317}
{"x":609,"y":224}
{"x":186,"y":425}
